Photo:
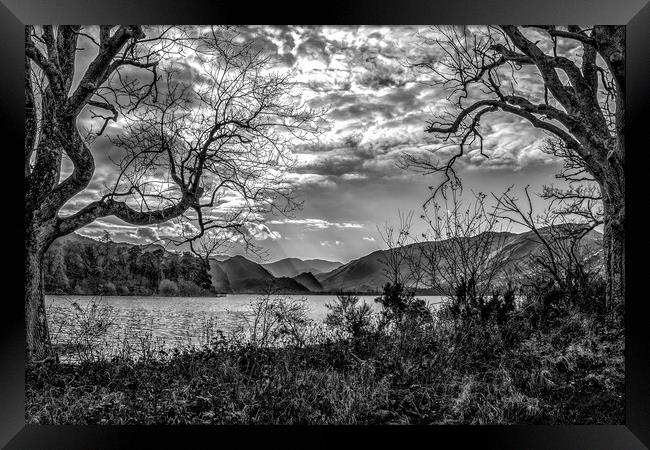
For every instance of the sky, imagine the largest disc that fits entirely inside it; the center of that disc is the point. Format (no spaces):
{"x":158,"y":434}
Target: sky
{"x":347,"y":178}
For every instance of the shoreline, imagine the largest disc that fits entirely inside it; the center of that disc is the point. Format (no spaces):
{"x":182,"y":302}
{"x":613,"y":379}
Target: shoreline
{"x":297,"y":294}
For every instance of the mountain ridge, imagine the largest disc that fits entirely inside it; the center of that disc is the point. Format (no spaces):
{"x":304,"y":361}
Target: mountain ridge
{"x":291,"y":267}
{"x":238,"y":274}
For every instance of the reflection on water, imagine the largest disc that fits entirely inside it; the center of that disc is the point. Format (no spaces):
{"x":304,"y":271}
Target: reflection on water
{"x":171,"y":321}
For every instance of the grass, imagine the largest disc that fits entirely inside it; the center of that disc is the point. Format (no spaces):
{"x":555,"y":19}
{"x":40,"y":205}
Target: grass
{"x":434,"y":371}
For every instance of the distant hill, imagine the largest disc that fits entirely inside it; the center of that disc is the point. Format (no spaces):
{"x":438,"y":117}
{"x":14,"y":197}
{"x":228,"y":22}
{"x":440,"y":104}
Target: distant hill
{"x":239,"y":275}
{"x":308,"y":280}
{"x":78,"y":264}
{"x":220,"y":280}
{"x":366,"y":274}
{"x":291,"y":267}
{"x":76,"y":238}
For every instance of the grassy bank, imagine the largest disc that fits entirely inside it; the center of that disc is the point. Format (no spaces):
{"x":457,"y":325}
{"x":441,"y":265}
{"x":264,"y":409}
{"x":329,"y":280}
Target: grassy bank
{"x":425,"y":368}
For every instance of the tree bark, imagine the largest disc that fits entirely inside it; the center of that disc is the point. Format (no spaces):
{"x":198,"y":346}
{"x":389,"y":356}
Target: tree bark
{"x":38,"y":343}
{"x":613,"y":192}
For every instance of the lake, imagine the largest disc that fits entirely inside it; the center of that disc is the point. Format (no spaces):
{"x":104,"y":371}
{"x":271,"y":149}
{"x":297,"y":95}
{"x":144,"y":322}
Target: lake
{"x":172,"y":321}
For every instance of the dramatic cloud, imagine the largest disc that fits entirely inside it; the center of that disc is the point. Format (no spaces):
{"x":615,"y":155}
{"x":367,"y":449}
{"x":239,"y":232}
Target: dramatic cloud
{"x":148,"y":234}
{"x":316,"y":223}
{"x":377,"y":110}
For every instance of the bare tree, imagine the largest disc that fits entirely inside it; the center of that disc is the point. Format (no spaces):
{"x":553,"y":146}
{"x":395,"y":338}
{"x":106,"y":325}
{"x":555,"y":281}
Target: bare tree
{"x":464,"y":257}
{"x":208,"y":151}
{"x":401,"y":261}
{"x":564,"y":255}
{"x":402,"y":267}
{"x":579,"y":99}
{"x":581,"y":200}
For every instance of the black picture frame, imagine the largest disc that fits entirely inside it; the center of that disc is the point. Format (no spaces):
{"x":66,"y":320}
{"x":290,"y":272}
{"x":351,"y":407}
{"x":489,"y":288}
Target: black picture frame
{"x":635,"y":14}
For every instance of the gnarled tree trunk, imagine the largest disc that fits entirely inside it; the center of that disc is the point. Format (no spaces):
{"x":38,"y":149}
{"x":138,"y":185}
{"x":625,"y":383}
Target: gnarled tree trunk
{"x":38,"y":237}
{"x":613,"y":191}
{"x":584,"y":107}
{"x":53,"y":103}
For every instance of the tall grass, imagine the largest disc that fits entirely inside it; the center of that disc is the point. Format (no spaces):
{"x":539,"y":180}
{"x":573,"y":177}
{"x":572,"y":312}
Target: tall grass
{"x":424,"y":367}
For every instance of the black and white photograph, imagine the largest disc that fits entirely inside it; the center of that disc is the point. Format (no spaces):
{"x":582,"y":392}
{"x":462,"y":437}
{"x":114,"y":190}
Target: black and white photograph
{"x":325,"y":225}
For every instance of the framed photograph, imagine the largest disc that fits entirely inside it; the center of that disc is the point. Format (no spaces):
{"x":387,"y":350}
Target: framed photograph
{"x":251,"y":217}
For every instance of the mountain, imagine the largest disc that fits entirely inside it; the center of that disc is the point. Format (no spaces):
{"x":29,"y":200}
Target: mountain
{"x":239,"y":275}
{"x":291,"y":267}
{"x":220,"y":280}
{"x":366,"y":274}
{"x":75,"y":238}
{"x":308,"y":280}
{"x":78,"y":264}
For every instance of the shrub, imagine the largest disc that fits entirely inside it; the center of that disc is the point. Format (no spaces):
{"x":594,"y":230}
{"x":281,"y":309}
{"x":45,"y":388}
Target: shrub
{"x":123,"y":290}
{"x":398,"y":303}
{"x":168,"y":288}
{"x":79,"y":290}
{"x":189,"y":288}
{"x":108,"y":288}
{"x":498,"y":307}
{"x":278,"y":320}
{"x":86,"y":327}
{"x":348,"y":316}
{"x":422,"y":369}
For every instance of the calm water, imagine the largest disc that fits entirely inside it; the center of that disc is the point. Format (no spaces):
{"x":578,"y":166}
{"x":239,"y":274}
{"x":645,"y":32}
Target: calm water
{"x":174,"y":320}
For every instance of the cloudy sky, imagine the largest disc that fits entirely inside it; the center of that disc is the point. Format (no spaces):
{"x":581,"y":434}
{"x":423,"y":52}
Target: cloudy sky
{"x":377,"y":108}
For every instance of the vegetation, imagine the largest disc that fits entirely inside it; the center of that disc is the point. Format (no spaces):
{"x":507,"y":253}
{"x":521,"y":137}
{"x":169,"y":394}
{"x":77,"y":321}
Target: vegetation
{"x":105,"y":268}
{"x":432,"y":367}
{"x":224,"y":137}
{"x":578,"y":98}
{"x":532,"y":339}
{"x":530,"y":343}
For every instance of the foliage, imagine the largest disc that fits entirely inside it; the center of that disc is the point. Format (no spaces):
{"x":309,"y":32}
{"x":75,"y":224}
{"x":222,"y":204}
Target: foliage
{"x":467,"y":304}
{"x":278,"y":320}
{"x":398,"y":303}
{"x":443,"y":371}
{"x":498,"y":351}
{"x":107,"y":268}
{"x":481,"y":75}
{"x":86,"y":326}
{"x":348,"y":316}
{"x":168,"y":288}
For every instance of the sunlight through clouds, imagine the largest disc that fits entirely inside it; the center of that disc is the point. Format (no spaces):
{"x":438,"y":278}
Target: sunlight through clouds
{"x":376,"y":109}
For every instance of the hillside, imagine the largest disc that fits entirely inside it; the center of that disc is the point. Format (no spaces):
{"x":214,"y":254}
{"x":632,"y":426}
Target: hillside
{"x":308,"y":280}
{"x":79,"y":239}
{"x":291,"y":267}
{"x":366,"y":274}
{"x":363,"y":274}
{"x":242,"y":276}
{"x":81,"y":265}
{"x":75,"y":264}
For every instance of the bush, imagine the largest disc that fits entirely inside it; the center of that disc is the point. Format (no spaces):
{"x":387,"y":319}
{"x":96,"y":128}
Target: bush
{"x":86,"y":327}
{"x":278,"y":320}
{"x":189,"y":288}
{"x":108,"y":288}
{"x":398,"y":302}
{"x":348,"y":316}
{"x":168,"y":288}
{"x":79,"y":290}
{"x":123,"y":290}
{"x":498,"y":307}
{"x":422,"y":369}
